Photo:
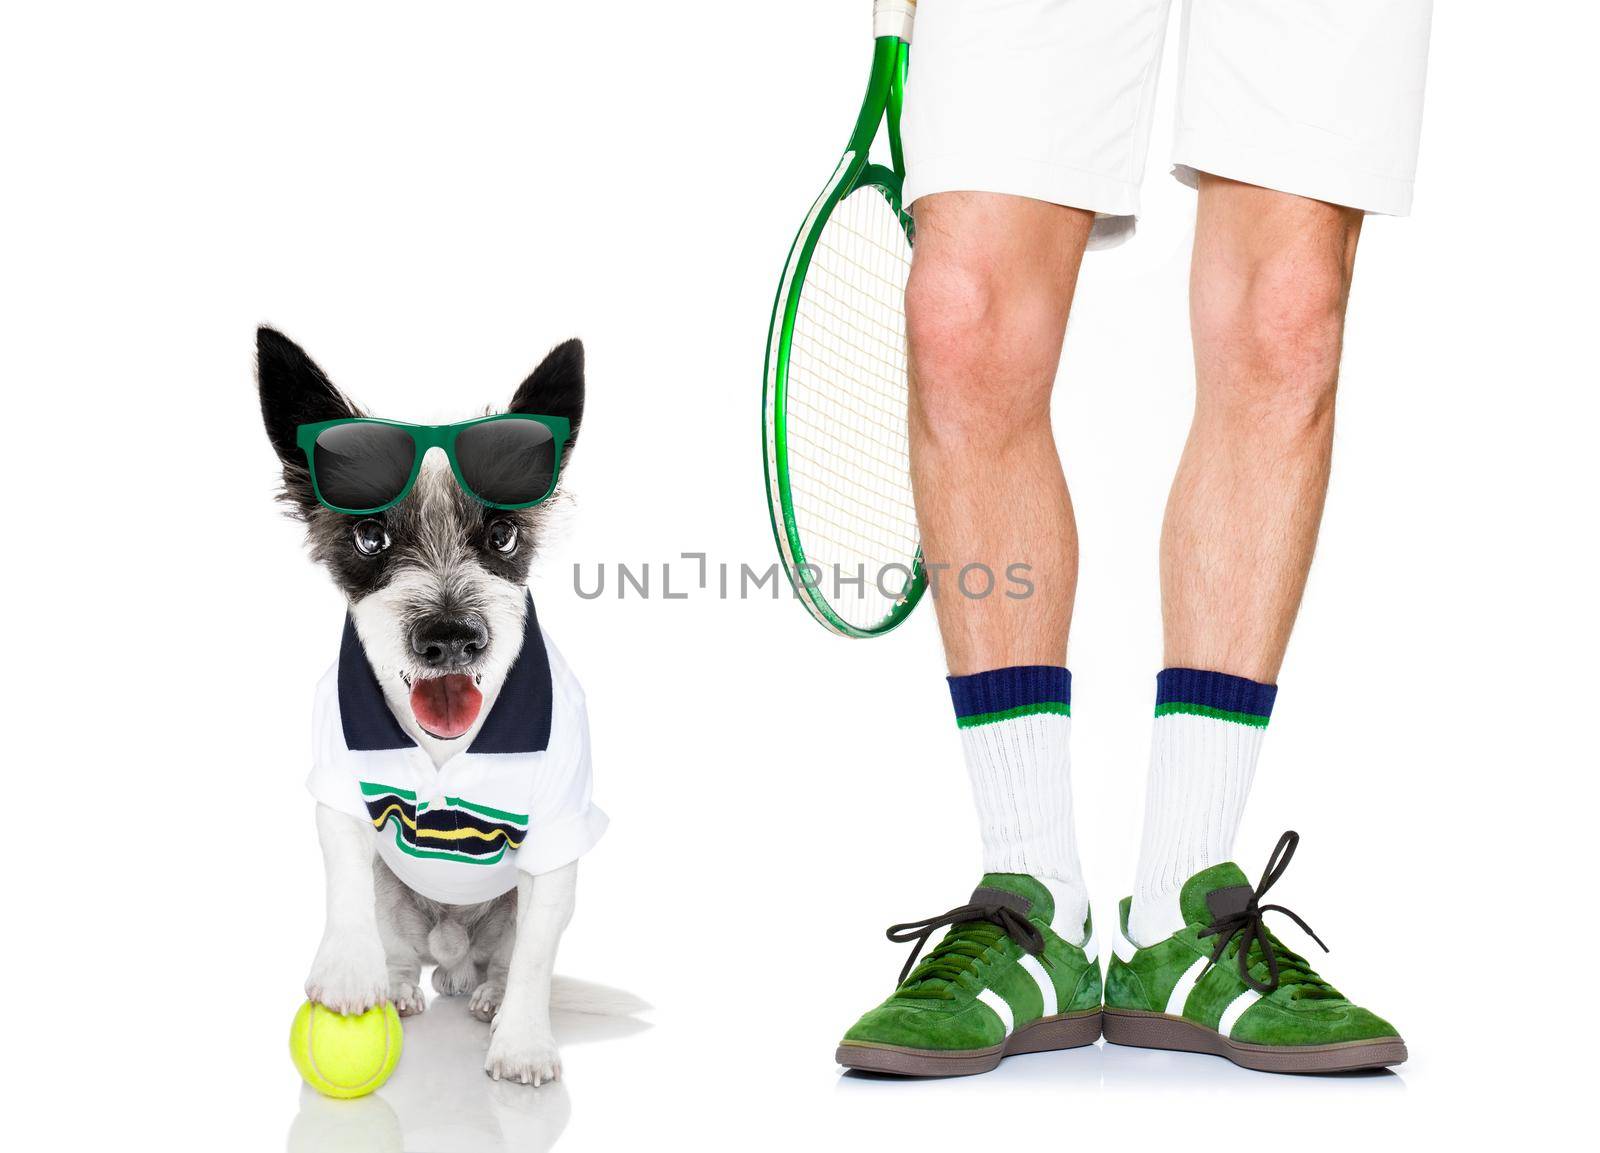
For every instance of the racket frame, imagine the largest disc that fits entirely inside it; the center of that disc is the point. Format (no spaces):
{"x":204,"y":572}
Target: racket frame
{"x":885,"y":95}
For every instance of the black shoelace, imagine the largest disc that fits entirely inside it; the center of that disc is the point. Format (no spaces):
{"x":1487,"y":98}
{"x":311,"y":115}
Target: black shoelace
{"x":1248,"y":925}
{"x":1016,"y":926}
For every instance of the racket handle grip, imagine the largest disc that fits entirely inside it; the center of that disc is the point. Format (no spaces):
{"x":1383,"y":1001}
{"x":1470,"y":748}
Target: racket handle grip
{"x":893,"y":18}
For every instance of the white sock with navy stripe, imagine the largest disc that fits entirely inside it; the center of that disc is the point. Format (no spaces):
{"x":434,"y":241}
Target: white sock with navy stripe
{"x":1016,"y":728}
{"x":1203,"y":752}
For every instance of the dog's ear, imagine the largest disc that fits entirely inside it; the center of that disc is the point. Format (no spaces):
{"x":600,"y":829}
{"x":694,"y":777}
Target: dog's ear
{"x":294,"y":391}
{"x":555,"y":388}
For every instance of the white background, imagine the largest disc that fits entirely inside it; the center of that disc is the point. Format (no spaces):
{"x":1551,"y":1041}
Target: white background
{"x":428,"y":198}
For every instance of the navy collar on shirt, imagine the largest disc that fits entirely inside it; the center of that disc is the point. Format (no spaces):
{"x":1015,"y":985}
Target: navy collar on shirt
{"x":518,"y":723}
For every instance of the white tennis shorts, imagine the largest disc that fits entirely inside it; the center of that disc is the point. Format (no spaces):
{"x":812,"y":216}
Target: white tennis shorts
{"x":1052,"y":99}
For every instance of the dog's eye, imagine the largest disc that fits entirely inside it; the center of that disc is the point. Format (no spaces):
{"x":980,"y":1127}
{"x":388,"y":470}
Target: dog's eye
{"x":503,"y":537}
{"x":370,"y":536}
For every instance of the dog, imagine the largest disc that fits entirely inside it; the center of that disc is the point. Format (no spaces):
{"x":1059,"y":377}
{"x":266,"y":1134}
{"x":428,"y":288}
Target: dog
{"x":445,"y":683}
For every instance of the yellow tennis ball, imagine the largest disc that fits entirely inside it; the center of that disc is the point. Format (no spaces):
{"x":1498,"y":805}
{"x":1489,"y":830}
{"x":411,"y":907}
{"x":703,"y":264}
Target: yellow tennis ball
{"x":345,"y":1056}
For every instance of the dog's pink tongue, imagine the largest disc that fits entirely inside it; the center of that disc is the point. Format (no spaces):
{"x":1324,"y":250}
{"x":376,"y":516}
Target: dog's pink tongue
{"x":446,"y":706}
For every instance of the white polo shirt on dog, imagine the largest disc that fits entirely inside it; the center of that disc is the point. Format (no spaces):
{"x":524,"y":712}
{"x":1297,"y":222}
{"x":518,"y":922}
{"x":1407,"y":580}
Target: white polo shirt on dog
{"x":517,"y":798}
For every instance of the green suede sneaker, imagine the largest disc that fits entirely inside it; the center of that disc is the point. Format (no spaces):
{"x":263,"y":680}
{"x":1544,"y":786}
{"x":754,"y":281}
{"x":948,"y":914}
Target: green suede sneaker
{"x":1225,"y":985}
{"x":1000,"y":983}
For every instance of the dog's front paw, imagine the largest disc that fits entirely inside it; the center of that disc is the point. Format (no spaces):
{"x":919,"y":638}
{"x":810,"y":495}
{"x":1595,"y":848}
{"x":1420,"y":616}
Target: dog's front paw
{"x":350,"y":974}
{"x":486,"y":1000}
{"x":406,"y":998}
{"x":522,"y":1054}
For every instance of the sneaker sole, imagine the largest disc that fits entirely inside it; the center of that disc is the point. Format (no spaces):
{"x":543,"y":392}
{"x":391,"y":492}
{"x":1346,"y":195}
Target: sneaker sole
{"x":1159,"y":1031}
{"x":1066,"y":1031}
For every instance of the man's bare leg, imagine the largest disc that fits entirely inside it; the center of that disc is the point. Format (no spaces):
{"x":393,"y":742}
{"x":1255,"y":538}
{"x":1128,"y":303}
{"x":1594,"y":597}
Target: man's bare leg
{"x":991,"y":283}
{"x":1268,"y":286}
{"x":986,"y":310}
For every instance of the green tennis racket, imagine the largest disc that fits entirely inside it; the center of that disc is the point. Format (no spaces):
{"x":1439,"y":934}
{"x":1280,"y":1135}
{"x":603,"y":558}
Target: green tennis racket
{"x":834,"y":405}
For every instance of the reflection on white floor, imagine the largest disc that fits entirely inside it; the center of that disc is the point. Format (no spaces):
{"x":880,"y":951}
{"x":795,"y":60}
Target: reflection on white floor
{"x":440,"y":1101}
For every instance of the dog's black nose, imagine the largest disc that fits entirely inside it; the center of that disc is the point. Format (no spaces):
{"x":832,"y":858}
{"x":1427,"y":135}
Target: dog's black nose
{"x":450,"y":642}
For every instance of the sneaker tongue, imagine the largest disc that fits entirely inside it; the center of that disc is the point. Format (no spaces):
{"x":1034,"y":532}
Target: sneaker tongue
{"x":1192,"y":901}
{"x":1040,"y":903}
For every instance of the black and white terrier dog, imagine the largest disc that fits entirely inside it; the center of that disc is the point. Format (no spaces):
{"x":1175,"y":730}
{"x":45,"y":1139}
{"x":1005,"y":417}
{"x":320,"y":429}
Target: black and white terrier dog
{"x":446,"y":691}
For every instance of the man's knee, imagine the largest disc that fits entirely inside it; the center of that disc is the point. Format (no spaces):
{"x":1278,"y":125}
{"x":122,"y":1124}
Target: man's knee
{"x":1268,"y":337}
{"x":984,"y":348}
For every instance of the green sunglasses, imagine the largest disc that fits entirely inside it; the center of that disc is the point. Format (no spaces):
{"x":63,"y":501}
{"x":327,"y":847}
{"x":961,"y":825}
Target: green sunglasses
{"x":361,"y":466}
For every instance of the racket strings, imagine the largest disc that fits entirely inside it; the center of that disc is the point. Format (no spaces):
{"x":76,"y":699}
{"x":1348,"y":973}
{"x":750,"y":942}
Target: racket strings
{"x":876,"y":370}
{"x":890,"y":457}
{"x":895,"y":535}
{"x":875,"y":543}
{"x":864,"y":243}
{"x":846,"y":412}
